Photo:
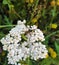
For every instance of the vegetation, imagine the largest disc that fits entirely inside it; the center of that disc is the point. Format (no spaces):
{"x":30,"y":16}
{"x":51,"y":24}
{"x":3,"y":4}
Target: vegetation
{"x":43,"y":13}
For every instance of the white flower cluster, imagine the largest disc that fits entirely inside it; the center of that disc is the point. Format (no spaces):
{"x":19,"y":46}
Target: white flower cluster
{"x":20,"y":49}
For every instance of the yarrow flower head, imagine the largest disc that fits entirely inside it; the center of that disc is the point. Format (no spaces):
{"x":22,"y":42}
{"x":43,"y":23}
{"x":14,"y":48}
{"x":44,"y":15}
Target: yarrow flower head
{"x":20,"y":49}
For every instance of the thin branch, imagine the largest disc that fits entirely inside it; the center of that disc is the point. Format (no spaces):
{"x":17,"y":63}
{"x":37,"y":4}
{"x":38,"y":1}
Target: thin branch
{"x":3,"y":26}
{"x":53,"y":33}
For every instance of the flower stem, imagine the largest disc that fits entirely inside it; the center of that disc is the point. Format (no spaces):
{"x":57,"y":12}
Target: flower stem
{"x":53,"y":33}
{"x":3,"y":26}
{"x":34,"y":9}
{"x":32,"y":14}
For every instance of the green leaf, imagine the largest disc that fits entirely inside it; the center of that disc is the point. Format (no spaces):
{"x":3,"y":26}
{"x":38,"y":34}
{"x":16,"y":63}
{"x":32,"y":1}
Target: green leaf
{"x":43,"y":13}
{"x":57,"y":47}
{"x":1,"y":35}
{"x":7,"y":21}
{"x":5,"y":63}
{"x":47,"y":61}
{"x":24,"y":37}
{"x":53,"y":12}
{"x":46,"y":41}
{"x":29,"y":62}
{"x":5,"y":2}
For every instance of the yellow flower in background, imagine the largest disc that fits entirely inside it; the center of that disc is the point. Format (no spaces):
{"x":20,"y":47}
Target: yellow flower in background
{"x":52,"y":53}
{"x":29,"y":1}
{"x":34,"y":20}
{"x":50,"y":50}
{"x":57,"y":2}
{"x":54,"y":26}
{"x":53,"y":3}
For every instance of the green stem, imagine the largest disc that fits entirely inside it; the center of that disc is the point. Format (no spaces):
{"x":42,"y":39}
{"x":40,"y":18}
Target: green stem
{"x":28,"y":61}
{"x":32,"y":14}
{"x":17,"y":14}
{"x":34,"y":8}
{"x":52,"y":34}
{"x":3,"y":26}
